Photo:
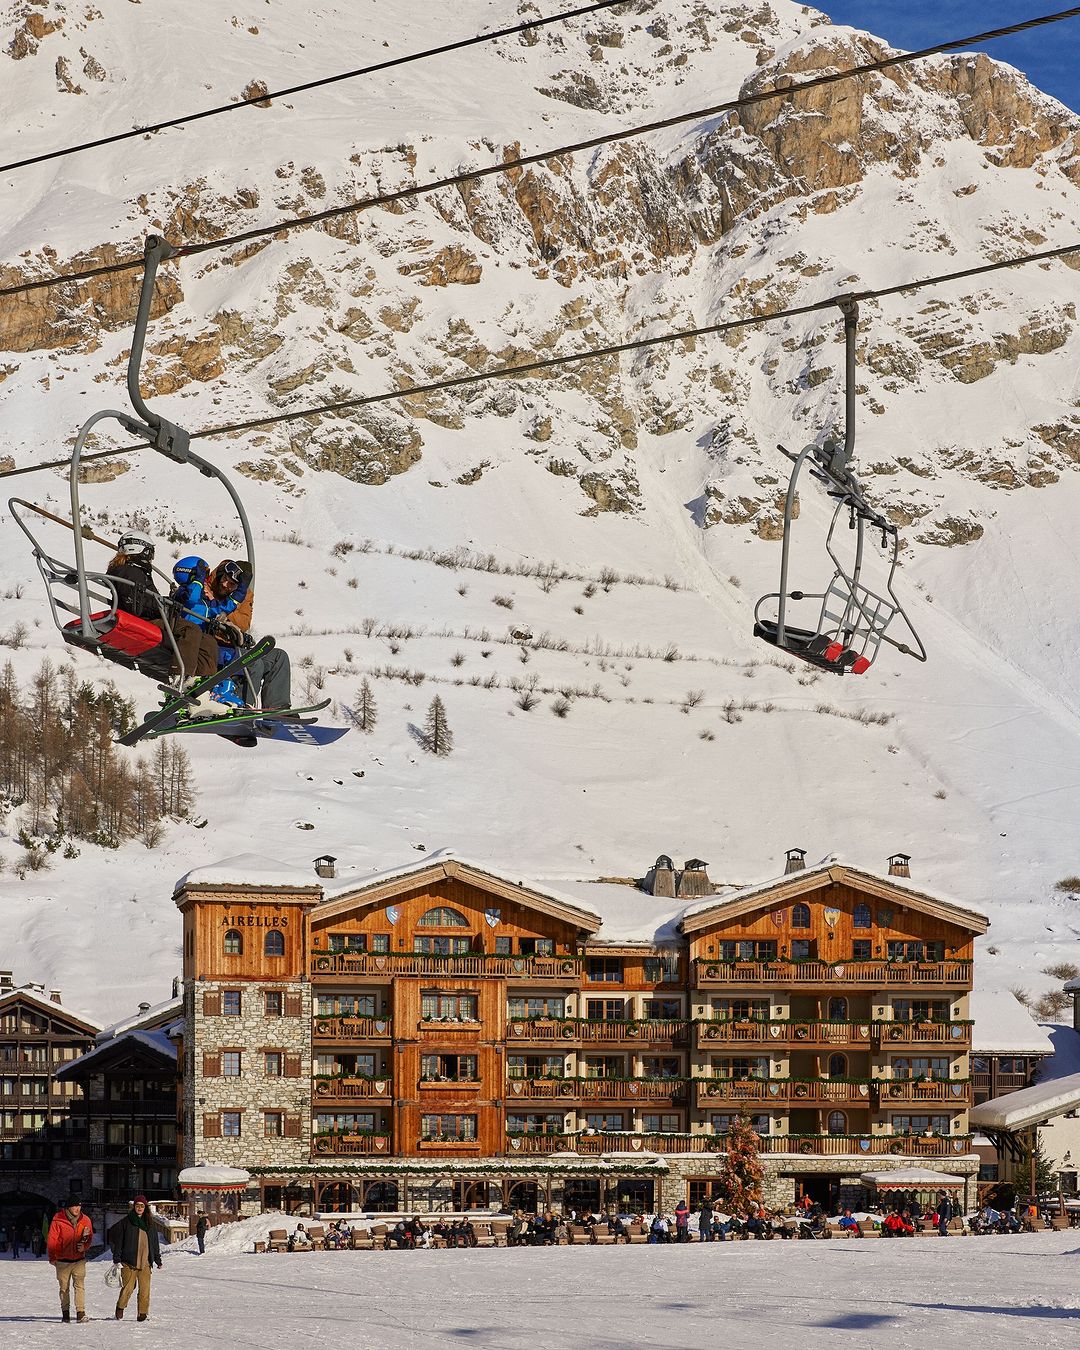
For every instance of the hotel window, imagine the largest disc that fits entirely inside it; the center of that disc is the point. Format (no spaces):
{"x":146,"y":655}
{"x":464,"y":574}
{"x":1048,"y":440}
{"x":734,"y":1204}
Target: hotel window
{"x":535,"y":1123}
{"x":448,"y":1069}
{"x":230,"y":1003}
{"x":920,"y":1124}
{"x":662,"y":1066}
{"x":800,"y":916}
{"x":741,"y":1068}
{"x":605,"y":1009}
{"x":662,"y":1009}
{"x":273,"y":1063}
{"x":661,"y":1122}
{"x":538,"y":1006}
{"x":503,"y":946}
{"x":921,"y":1066}
{"x":920,"y":1009}
{"x":803,"y":949}
{"x":346,"y":942}
{"x":345,"y":1005}
{"x":748,"y":949}
{"x":662,"y":969}
{"x":449,"y":1007}
{"x":605,"y":969}
{"x":443,"y":917}
{"x":452,"y":1128}
{"x":273,"y":1124}
{"x":274,"y":943}
{"x":742,"y":1009}
{"x":230,"y":1064}
{"x":234,"y":943}
{"x":442,"y":946}
{"x":605,"y":1066}
{"x":537,"y":946}
{"x":861,"y":917}
{"x":916,"y":951}
{"x":862,"y":949}
{"x":605,"y":1120}
{"x":837,"y":1123}
{"x":230,"y":1124}
{"x":345,"y":1122}
{"x":535,"y":1066}
{"x":273,"y":1003}
{"x":838,"y":1066}
{"x":380,"y":942}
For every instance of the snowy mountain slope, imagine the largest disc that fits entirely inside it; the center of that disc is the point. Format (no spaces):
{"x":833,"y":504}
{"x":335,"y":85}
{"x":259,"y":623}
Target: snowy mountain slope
{"x":660,"y":465}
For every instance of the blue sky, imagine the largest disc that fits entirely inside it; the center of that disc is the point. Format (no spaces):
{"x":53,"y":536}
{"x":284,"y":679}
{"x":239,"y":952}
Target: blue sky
{"x":1050,"y":56}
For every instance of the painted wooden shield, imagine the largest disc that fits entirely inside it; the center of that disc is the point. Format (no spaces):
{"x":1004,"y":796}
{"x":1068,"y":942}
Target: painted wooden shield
{"x":832,"y":915}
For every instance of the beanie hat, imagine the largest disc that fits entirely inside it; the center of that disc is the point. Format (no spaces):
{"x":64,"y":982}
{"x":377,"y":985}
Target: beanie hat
{"x":72,"y":1201}
{"x":139,"y":1200}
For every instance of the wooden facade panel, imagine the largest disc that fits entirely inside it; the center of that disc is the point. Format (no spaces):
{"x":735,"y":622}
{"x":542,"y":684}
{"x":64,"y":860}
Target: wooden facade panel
{"x":890,"y":921}
{"x":259,"y":929}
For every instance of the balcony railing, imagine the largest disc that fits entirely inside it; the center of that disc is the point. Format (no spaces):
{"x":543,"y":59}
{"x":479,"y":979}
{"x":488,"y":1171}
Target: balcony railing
{"x":127,"y":1152}
{"x":596,"y":1089}
{"x":565,"y":969}
{"x":713,"y":1092}
{"x":323,"y":1145}
{"x":903,"y":1091}
{"x":350,"y":1089}
{"x":345,"y":1028}
{"x":875,"y":974}
{"x":782,"y":1031}
{"x":956,"y":1034}
{"x":813,"y":1145}
{"x":647,"y":1031}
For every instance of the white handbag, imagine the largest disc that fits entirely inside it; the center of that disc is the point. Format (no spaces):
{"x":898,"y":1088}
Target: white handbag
{"x":112,"y":1275}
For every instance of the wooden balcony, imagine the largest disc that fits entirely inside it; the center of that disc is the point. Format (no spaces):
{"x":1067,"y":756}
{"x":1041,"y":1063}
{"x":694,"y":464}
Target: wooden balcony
{"x":1001,"y":1082}
{"x":476,"y":965}
{"x":712,"y":974}
{"x":582,"y":1031}
{"x":350,"y":1089}
{"x":330,"y":1030}
{"x":323,"y":1145}
{"x":667,"y":1090}
{"x":589,"y":1145}
{"x":955,"y":1034}
{"x":781,"y":1031}
{"x":867,"y":1145}
{"x":913,"y":1091}
{"x":716,"y":1092}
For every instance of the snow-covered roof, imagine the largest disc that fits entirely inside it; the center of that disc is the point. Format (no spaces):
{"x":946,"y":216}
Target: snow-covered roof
{"x":213,"y":1177}
{"x":48,"y":1004}
{"x":1003,"y":1026}
{"x":158,"y":1041}
{"x":1030,"y":1106}
{"x":910,"y":1179}
{"x":1073,"y":986}
{"x":249,"y":869}
{"x":629,"y":914}
{"x":808,"y":877}
{"x":157,"y":1014}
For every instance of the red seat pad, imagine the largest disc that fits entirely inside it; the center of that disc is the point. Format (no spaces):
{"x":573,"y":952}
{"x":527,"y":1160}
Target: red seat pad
{"x":128,"y":634}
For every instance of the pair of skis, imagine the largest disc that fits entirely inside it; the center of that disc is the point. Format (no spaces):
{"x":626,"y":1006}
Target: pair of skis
{"x":246,"y":726}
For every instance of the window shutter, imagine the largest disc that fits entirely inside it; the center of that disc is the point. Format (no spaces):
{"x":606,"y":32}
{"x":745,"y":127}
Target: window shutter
{"x":292,"y":1127}
{"x":294,"y":1005}
{"x":211,"y":1065}
{"x":211,"y":1127}
{"x":211,"y":1005}
{"x":292,"y":1066}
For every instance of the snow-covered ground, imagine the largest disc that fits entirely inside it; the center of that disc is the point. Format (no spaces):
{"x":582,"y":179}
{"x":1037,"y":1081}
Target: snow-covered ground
{"x":984,"y":1292}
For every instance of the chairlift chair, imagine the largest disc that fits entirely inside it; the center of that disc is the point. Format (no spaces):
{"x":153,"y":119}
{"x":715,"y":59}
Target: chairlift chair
{"x":852,"y":620}
{"x":101,"y":622}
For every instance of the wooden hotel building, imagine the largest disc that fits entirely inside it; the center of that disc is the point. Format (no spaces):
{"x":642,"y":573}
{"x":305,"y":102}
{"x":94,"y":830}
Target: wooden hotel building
{"x":448,"y":1036}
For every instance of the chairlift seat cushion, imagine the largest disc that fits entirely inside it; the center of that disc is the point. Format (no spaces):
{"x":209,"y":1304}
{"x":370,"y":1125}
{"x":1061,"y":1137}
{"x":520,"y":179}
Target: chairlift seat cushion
{"x":123,"y":632}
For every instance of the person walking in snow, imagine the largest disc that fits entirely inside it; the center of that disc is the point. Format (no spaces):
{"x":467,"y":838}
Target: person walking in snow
{"x":202,"y":1223}
{"x":135,"y":1249}
{"x":70,"y":1236}
{"x":944,"y":1214}
{"x":682,"y":1222}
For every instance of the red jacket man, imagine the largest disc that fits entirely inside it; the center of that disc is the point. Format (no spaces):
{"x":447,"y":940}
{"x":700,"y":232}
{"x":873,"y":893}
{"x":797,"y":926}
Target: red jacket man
{"x":70,"y":1236}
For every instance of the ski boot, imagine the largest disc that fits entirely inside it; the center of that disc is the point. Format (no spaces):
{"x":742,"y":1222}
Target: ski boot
{"x":222,"y":699}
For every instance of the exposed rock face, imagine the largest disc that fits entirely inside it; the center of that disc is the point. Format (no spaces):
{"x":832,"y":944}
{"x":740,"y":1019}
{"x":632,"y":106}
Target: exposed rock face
{"x":631,"y":239}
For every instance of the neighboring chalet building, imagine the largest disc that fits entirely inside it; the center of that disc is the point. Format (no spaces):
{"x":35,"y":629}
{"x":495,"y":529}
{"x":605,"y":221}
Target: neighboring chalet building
{"x":449,"y":1035}
{"x":1007,"y":1049}
{"x":125,"y":1113}
{"x":39,"y":1125}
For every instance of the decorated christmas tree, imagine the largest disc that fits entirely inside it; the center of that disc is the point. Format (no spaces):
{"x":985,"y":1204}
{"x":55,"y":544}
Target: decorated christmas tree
{"x":740,"y":1183}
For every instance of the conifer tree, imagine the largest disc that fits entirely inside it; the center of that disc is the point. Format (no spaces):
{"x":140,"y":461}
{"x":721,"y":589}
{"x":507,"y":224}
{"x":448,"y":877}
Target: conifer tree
{"x":740,"y":1183}
{"x":365,"y":714}
{"x":438,"y":738}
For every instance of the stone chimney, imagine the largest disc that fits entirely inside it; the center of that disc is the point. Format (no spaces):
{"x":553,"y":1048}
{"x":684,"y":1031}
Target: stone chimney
{"x":795,"y":861}
{"x":694,"y":880}
{"x":54,"y":994}
{"x":325,"y":866}
{"x":661,"y":880}
{"x":900,"y":865}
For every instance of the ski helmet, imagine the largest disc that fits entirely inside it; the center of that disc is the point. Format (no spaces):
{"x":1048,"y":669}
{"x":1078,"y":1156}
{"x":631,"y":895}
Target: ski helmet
{"x":136,"y":546}
{"x":190,"y":569}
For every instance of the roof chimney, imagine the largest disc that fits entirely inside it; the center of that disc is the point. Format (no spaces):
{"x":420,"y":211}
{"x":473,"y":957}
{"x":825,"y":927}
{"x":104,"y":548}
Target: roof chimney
{"x":325,"y":866}
{"x":900,"y":865}
{"x":54,"y":994}
{"x":694,"y":880}
{"x":6,"y":982}
{"x":176,"y":986}
{"x":795,"y":860}
{"x":661,"y":880}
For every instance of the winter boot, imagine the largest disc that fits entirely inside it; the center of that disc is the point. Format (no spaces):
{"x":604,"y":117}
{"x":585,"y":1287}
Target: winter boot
{"x":80,"y":1317}
{"x":119,"y":1313}
{"x":65,"y":1316}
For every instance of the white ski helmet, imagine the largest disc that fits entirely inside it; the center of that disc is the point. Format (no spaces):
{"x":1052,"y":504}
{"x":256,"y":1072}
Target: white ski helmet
{"x":136,"y":546}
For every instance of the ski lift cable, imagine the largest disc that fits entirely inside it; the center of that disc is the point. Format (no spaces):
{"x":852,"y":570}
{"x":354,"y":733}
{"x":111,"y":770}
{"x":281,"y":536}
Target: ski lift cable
{"x":262,"y":99}
{"x":539,"y":157}
{"x":530,"y":368}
